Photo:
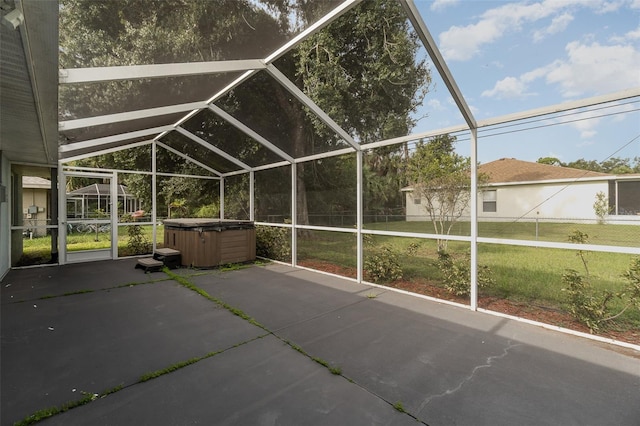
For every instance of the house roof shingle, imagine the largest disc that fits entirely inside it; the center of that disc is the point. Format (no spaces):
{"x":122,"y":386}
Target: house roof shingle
{"x":506,"y":170}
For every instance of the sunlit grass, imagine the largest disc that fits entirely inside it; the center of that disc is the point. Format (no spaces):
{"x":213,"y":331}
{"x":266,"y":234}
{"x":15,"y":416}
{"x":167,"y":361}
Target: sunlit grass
{"x":523,"y":274}
{"x":40,"y":248}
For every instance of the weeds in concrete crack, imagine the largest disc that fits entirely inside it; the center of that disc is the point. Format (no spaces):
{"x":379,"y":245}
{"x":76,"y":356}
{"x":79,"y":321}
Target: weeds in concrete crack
{"x":235,"y":311}
{"x":170,"y":369}
{"x":52,"y":411}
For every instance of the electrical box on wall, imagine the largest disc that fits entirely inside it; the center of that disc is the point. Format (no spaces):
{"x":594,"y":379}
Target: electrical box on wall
{"x":33,"y":209}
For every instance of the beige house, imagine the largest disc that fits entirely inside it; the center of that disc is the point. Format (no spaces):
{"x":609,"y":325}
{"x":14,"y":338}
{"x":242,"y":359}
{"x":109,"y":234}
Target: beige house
{"x":36,"y":204}
{"x":526,"y":190}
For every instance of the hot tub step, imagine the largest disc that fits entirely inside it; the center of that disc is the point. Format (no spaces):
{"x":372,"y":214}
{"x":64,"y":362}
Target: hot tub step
{"x":169,"y":257}
{"x":149,"y":264}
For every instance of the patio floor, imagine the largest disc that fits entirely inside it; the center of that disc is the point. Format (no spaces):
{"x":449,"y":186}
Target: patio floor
{"x":81,"y":329}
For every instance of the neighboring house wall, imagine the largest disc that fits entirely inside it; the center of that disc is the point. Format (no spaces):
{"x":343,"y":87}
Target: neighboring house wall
{"x":557,"y":201}
{"x":35,"y":203}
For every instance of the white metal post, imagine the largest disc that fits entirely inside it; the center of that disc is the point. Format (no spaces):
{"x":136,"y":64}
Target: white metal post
{"x":294,"y":214}
{"x":474,"y":220}
{"x":113,"y":199}
{"x":154,"y":193}
{"x":221,"y":198}
{"x":62,"y":216}
{"x":359,"y":254}
{"x":252,"y":197}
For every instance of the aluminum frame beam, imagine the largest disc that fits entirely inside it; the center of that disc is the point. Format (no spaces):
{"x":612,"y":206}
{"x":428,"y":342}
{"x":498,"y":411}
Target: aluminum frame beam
{"x":94,"y":143}
{"x":561,"y":107}
{"x":134,"y":72}
{"x":249,"y":132}
{"x":186,"y":157}
{"x":212,"y":148}
{"x":434,"y":53}
{"x":129,"y":115}
{"x":299,"y":94}
{"x":104,"y":151}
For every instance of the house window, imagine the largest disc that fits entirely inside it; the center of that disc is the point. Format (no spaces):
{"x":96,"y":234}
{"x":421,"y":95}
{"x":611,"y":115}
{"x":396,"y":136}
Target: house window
{"x":417,"y":201}
{"x":489,"y":204}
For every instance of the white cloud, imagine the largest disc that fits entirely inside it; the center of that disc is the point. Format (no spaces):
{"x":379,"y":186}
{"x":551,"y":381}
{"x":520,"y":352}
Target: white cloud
{"x":610,"y":6}
{"x":558,"y":24}
{"x":631,"y":36}
{"x":442,"y":4}
{"x":589,"y":69}
{"x":461,"y":43}
{"x":436,"y":105}
{"x":507,"y":88}
{"x":596,"y":69}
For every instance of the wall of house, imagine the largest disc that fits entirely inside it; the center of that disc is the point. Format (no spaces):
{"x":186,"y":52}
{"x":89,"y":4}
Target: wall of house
{"x":5,"y":217}
{"x":557,"y":202}
{"x":36,"y":199}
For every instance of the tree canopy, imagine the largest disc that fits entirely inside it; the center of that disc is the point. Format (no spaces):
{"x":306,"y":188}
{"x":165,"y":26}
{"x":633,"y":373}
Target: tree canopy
{"x":363,"y":70}
{"x":441,"y":179}
{"x":612,"y":165}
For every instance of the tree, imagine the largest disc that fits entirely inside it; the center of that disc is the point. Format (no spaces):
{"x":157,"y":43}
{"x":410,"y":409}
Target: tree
{"x":583,"y":164}
{"x":601,"y":207}
{"x":440,"y":178}
{"x":552,"y":161}
{"x":362,"y":70}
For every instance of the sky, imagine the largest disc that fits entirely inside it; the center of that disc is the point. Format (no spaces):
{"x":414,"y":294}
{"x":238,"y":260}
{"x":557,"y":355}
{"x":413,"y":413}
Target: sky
{"x":509,"y":57}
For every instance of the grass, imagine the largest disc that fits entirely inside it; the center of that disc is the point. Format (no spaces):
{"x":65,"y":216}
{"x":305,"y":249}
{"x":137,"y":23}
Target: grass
{"x":523,"y":274}
{"x":38,"y":250}
{"x":620,"y":235}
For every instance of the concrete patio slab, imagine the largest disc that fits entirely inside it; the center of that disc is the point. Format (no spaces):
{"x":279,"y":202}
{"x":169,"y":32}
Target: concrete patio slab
{"x":444,"y":364}
{"x":54,"y":349}
{"x":263,"y":382}
{"x":37,"y":282}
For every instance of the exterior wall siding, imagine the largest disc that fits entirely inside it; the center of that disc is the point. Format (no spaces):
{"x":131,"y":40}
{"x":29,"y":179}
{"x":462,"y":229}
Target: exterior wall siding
{"x":558,"y":201}
{"x":5,"y":217}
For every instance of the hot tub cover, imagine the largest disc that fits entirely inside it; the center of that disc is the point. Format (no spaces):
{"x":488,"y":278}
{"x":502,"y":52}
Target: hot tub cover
{"x":206,"y":224}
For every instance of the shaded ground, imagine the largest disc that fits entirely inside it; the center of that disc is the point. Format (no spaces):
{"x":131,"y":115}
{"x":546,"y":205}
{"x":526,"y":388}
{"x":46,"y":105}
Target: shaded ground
{"x":518,"y":309}
{"x":265,"y":345}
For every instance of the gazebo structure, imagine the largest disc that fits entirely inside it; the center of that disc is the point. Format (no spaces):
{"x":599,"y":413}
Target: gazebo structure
{"x":86,"y":201}
{"x":238,"y":123}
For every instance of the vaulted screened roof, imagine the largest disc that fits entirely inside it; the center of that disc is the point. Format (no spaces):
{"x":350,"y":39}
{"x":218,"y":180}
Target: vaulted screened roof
{"x":236,"y":105}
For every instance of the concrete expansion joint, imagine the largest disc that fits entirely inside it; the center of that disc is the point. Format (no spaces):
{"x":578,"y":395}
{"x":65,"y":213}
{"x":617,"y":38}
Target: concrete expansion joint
{"x":489,"y":362}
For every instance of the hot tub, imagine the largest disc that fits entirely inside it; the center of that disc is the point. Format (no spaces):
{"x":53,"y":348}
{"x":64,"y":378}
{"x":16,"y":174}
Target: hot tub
{"x":205,"y":243}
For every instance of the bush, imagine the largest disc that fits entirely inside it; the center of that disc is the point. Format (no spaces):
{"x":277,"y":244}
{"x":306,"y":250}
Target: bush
{"x":208,"y":210}
{"x":457,"y":274}
{"x":137,"y":242}
{"x":589,"y":307}
{"x":381,"y":265}
{"x":273,"y":242}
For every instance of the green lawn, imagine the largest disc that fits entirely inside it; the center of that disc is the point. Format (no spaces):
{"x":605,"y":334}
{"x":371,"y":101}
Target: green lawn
{"x":606,"y":234}
{"x":528,"y":274}
{"x":38,"y":250}
{"x":524,"y":274}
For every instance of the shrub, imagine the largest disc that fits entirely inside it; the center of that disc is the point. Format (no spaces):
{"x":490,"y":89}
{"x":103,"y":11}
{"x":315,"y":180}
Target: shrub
{"x":601,"y":207}
{"x":589,"y":307}
{"x":457,"y":273}
{"x":137,"y":242}
{"x":208,"y":210}
{"x":381,"y":265}
{"x":273,"y":242}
